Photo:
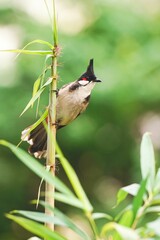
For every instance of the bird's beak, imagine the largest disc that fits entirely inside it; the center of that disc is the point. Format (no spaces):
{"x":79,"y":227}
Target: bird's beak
{"x":97,"y":80}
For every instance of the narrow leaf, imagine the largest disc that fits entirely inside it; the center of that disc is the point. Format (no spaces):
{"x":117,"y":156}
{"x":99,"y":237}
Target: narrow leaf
{"x":67,"y":221}
{"x":74,"y":181}
{"x":36,"y":87}
{"x":37,"y":168}
{"x":71,"y":225}
{"x":39,"y":217}
{"x":148,"y":161}
{"x":127,"y":218}
{"x":126,"y":233}
{"x":73,"y":201}
{"x":34,"y":98}
{"x":30,"y":52}
{"x":36,"y":228}
{"x":40,"y":42}
{"x":55,"y":33}
{"x":157,"y":182}
{"x":138,"y":199}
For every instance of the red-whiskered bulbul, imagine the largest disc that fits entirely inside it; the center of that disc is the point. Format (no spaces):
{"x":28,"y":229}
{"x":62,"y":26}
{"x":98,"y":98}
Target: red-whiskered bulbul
{"x":72,"y":100}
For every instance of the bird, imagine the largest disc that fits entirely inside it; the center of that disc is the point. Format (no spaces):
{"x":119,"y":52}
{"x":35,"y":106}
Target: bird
{"x":72,"y":100}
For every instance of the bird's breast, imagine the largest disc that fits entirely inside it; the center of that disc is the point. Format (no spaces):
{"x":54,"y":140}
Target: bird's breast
{"x":71,"y":103}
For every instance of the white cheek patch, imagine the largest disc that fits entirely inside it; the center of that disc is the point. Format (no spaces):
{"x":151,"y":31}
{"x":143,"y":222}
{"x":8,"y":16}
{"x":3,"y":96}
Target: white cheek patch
{"x":83,"y":82}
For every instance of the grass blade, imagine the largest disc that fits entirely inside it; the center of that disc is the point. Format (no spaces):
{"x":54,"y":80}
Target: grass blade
{"x":67,"y":221}
{"x":37,"y":168}
{"x":55,"y":33}
{"x":36,"y":96}
{"x":36,"y":228}
{"x":30,"y":52}
{"x":138,"y":199}
{"x":74,"y":181}
{"x":39,"y":217}
{"x":36,"y":87}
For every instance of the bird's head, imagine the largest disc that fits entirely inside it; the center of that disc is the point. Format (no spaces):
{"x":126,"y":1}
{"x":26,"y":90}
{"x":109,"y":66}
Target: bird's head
{"x":88,"y":76}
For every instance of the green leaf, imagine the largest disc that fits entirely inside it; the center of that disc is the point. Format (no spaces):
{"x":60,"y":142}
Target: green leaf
{"x":102,"y":215}
{"x":30,"y":52}
{"x":71,"y":224}
{"x":125,"y":232}
{"x":124,"y":191}
{"x":127,"y":218}
{"x":40,"y":217}
{"x":34,"y":98}
{"x":36,"y":228}
{"x":40,"y":42}
{"x":73,"y":201}
{"x":37,"y":168}
{"x":138,"y":199}
{"x":157,"y":182}
{"x":148,"y":161}
{"x":36,"y":87}
{"x":55,"y":32}
{"x":67,"y":221}
{"x":74,"y":181}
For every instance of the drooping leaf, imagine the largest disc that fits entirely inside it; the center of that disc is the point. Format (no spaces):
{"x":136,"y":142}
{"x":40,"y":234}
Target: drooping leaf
{"x":40,"y":42}
{"x":37,"y":168}
{"x":147,"y":161}
{"x":39,"y":217}
{"x":67,"y":221}
{"x":36,"y":228}
{"x":74,"y":181}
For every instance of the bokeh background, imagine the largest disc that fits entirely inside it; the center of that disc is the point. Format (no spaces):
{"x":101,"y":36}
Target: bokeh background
{"x":103,"y":144}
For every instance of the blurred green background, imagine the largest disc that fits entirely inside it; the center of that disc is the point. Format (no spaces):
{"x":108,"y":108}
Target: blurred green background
{"x":123,"y":37}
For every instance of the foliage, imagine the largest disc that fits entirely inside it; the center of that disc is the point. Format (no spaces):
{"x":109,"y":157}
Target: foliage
{"x":128,"y":224}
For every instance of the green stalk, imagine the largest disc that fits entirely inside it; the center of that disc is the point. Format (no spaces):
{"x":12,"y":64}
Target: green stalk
{"x":51,"y":141}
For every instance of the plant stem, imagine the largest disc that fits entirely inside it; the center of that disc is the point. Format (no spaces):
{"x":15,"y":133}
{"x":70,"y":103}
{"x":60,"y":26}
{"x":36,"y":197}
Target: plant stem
{"x":142,"y":210}
{"x":93,"y":225}
{"x":51,"y":141}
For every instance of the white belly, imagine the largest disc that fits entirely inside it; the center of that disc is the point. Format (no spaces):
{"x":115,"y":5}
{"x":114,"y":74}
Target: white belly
{"x":71,"y":104}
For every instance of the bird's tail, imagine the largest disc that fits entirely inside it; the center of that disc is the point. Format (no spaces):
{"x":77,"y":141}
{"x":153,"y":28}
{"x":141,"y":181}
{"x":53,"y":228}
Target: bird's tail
{"x":37,"y":139}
